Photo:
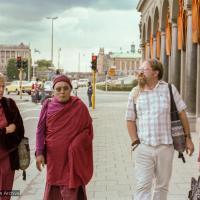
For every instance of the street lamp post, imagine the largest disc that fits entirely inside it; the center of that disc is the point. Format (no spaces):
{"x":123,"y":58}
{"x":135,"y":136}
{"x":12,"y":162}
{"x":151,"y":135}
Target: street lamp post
{"x":35,"y":65}
{"x":52,"y":19}
{"x":79,"y":62}
{"x":34,"y":74}
{"x":59,"y":50}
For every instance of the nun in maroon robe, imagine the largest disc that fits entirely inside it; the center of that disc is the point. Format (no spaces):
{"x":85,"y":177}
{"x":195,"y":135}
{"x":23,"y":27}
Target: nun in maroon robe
{"x":11,"y":133}
{"x":64,"y":141}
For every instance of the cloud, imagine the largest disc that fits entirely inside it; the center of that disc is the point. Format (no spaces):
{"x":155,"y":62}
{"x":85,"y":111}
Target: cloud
{"x":83,"y":26}
{"x":28,"y":10}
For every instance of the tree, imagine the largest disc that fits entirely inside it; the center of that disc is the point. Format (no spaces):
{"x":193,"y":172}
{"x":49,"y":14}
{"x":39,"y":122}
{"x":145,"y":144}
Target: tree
{"x":25,"y":71}
{"x":43,"y":69}
{"x":12,"y":71}
{"x":43,"y":65}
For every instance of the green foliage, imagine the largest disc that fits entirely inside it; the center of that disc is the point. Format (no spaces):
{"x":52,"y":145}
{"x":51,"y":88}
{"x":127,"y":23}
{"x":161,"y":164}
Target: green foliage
{"x":43,"y":65}
{"x":117,"y":87}
{"x":26,"y":71}
{"x":12,"y":71}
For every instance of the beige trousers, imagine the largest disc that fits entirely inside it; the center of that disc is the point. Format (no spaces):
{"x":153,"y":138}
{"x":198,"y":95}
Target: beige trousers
{"x":153,"y":169}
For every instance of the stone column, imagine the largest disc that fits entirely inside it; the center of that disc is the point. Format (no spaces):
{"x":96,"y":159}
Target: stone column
{"x":163,"y":56}
{"x":148,"y":50}
{"x":125,"y":67}
{"x":198,"y":83}
{"x":175,"y":58}
{"x":169,"y":69}
{"x":142,"y":47}
{"x":182,"y":87}
{"x":154,"y":47}
{"x":191,"y":66}
{"x":198,"y":91}
{"x":120,"y":65}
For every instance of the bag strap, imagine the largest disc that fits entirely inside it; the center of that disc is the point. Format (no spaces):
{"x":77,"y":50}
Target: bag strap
{"x":173,"y":104}
{"x":174,"y":113}
{"x":173,"y":108}
{"x":136,"y":94}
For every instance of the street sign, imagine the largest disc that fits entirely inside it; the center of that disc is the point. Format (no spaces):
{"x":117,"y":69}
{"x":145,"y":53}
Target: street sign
{"x":111,"y":72}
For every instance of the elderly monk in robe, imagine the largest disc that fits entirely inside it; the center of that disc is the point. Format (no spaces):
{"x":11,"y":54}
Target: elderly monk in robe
{"x":11,"y":133}
{"x":64,"y":142}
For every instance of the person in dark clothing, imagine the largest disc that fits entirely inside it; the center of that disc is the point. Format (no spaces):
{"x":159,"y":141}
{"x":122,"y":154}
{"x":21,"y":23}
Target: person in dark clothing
{"x":11,"y":133}
{"x":89,"y":93}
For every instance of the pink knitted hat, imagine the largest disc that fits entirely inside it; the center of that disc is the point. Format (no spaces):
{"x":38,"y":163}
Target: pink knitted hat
{"x":61,"y":78}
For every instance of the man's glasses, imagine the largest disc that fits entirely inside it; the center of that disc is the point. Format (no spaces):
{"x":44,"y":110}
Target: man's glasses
{"x":141,"y":70}
{"x":64,"y":88}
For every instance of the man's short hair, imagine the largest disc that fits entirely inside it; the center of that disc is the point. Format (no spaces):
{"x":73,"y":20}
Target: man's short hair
{"x":156,"y":65}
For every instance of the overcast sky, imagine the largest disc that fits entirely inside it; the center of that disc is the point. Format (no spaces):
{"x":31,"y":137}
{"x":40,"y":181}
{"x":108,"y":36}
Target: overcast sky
{"x":82,"y":27}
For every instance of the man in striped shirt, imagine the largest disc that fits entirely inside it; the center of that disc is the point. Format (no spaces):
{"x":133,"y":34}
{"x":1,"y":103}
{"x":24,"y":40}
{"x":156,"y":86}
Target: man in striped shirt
{"x":154,"y":155}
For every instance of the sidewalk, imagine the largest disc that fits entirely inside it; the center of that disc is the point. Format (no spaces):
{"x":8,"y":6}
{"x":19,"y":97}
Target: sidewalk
{"x":113,"y":177}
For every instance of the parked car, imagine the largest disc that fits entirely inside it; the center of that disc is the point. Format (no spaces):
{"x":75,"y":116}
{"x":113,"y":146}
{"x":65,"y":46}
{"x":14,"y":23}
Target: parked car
{"x":75,"y":87}
{"x":83,"y":82}
{"x":75,"y":84}
{"x":47,"y":91}
{"x":14,"y":87}
{"x":48,"y":88}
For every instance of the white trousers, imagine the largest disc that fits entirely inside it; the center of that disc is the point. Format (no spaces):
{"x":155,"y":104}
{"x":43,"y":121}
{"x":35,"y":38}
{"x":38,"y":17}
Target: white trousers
{"x":153,"y":169}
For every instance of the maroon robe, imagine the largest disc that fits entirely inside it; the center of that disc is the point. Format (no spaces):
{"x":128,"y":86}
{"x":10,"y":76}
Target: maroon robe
{"x":68,"y":140}
{"x":6,"y":173}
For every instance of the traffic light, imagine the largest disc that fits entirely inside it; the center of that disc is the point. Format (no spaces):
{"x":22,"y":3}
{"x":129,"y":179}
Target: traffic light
{"x":25,"y":64}
{"x":19,"y":62}
{"x":94,"y":62}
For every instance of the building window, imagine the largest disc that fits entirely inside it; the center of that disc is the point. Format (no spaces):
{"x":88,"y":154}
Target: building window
{"x":127,"y":65}
{"x":123,"y":65}
{"x":138,"y":63}
{"x":13,"y":54}
{"x":2,"y":53}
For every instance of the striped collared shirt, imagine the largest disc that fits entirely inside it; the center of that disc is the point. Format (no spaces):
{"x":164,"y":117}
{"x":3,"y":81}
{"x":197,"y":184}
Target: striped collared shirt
{"x":153,"y":113}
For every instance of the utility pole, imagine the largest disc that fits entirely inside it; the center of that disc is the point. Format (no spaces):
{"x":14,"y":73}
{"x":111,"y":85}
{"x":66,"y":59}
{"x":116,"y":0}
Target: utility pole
{"x":94,"y":70}
{"x":19,"y":65}
{"x":59,"y":50}
{"x":29,"y":65}
{"x":52,"y":20}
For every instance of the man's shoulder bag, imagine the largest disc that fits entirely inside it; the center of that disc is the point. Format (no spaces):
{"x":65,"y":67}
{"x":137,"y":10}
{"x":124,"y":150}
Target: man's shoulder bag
{"x":177,"y":131}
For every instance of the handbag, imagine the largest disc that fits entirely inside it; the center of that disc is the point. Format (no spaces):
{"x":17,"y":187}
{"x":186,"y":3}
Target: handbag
{"x":177,"y":131}
{"x":23,"y":149}
{"x":194,"y":193}
{"x":24,"y":155}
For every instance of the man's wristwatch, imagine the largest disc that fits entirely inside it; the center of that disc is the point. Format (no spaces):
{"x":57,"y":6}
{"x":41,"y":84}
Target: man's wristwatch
{"x":188,"y":136}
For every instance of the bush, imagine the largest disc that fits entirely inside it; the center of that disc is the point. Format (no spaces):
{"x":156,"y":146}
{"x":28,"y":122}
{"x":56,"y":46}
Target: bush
{"x":117,"y":87}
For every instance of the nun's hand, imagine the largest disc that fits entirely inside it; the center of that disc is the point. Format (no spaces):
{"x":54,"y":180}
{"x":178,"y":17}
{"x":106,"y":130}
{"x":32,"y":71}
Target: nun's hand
{"x":40,"y":162}
{"x":10,"y":129}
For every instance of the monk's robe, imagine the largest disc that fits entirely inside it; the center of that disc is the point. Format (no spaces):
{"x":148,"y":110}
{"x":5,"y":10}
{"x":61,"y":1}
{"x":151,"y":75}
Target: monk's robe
{"x":6,"y":173}
{"x":65,"y":136}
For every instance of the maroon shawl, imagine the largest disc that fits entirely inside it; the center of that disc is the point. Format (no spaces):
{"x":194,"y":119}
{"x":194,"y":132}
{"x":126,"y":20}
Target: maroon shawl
{"x":69,"y":135}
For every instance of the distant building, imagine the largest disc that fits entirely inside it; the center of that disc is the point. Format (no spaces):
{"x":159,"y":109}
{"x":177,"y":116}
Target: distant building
{"x":123,"y":62}
{"x":12,"y":51}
